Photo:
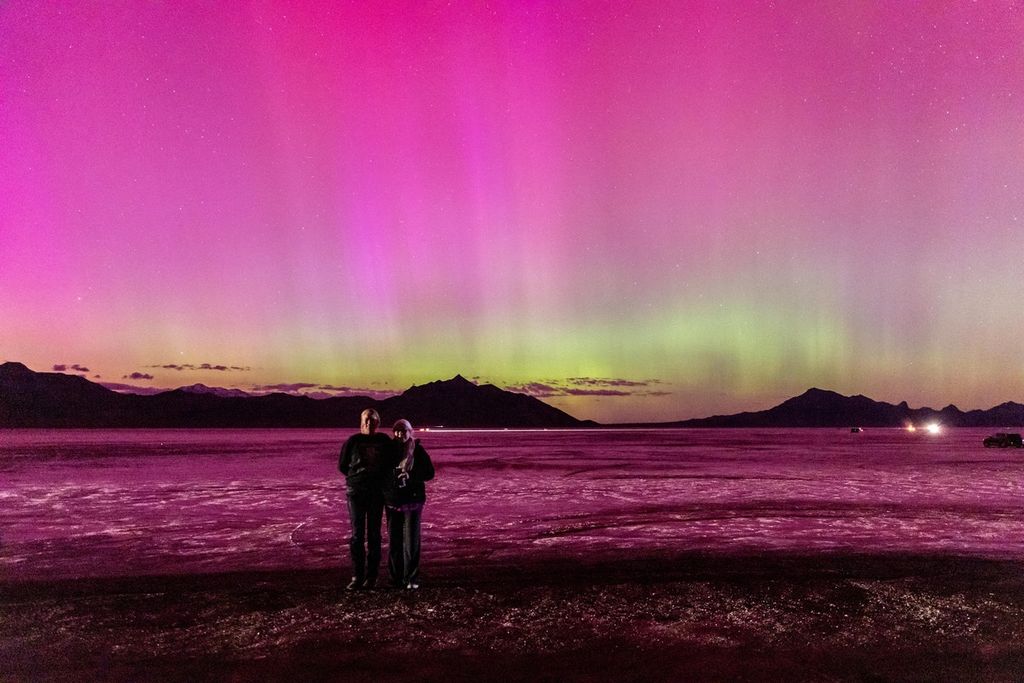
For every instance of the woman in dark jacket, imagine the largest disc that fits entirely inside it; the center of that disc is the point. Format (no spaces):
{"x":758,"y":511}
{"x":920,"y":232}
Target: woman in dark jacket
{"x":404,"y":497}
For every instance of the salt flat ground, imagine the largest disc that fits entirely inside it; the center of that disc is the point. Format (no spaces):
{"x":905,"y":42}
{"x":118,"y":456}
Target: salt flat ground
{"x":815,"y":554}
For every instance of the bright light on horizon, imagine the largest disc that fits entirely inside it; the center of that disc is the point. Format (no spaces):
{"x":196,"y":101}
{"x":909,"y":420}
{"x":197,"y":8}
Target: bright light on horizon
{"x":934,"y":428}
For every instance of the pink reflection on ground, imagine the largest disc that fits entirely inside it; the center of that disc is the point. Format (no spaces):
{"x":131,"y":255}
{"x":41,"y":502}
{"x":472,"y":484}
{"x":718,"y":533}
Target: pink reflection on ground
{"x":101,"y":503}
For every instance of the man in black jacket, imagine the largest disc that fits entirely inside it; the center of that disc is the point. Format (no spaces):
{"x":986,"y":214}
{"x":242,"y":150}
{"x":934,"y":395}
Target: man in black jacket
{"x":364,"y":462}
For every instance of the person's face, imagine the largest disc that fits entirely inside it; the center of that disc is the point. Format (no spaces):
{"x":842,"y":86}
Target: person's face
{"x":401,"y":434}
{"x":368,"y":422}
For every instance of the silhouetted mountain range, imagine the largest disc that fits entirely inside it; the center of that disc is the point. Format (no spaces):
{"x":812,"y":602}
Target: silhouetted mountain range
{"x":51,"y":399}
{"x":216,"y":391}
{"x":821,"y":408}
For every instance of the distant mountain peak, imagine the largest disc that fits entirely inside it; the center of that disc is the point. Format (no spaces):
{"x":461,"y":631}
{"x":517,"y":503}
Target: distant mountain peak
{"x":1010,"y":404}
{"x":53,"y":399}
{"x":816,"y":393}
{"x":458,"y":382}
{"x":822,"y":408}
{"x":215,"y":391}
{"x":30,"y":399}
{"x":14,"y":368}
{"x":461,"y":402}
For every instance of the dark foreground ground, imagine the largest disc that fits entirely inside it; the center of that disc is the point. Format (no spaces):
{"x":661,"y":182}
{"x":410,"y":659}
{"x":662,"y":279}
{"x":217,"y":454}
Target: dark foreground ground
{"x":705,"y":617}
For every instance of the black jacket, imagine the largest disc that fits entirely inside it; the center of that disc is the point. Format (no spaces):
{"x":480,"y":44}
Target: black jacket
{"x":365,"y":461}
{"x":414,"y":491}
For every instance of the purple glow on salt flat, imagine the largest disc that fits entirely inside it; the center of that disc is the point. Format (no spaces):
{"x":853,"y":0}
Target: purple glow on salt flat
{"x":93,"y":503}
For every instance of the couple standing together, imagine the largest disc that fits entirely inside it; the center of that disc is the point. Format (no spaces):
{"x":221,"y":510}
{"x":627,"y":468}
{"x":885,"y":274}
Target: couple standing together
{"x":385,"y":474}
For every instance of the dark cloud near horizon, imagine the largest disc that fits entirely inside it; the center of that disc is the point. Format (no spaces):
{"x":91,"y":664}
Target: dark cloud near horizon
{"x":587,"y":386}
{"x":138,"y":375}
{"x":201,"y":366}
{"x":541,"y":390}
{"x":535,"y":389}
{"x":285,"y":388}
{"x":331,"y":387}
{"x":363,"y":393}
{"x":320,"y":390}
{"x":74,"y":367}
{"x":351,"y":390}
{"x":600,"y":382}
{"x":597,"y":392}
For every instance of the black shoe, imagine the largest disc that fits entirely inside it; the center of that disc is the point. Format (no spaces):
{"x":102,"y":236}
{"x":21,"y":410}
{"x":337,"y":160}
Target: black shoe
{"x":369,"y":583}
{"x":355,"y":584}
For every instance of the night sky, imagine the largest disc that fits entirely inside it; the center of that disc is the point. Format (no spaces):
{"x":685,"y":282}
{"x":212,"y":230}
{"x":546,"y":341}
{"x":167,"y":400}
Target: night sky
{"x":639,"y":210}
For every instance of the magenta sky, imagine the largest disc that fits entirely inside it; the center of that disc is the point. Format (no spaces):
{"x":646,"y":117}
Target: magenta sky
{"x":739,"y":203}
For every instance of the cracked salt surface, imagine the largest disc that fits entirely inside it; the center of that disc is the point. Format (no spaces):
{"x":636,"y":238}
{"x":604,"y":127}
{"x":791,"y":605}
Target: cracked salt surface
{"x":98,"y":503}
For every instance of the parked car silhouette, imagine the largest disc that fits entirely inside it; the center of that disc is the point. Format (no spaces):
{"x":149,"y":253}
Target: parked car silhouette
{"x":1003,"y":440}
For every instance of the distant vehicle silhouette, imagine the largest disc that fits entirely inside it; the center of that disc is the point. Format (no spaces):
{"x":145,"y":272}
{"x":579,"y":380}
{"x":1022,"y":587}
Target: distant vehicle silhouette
{"x":1003,"y":440}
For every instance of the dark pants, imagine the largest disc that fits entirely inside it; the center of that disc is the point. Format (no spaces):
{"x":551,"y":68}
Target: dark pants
{"x":364,"y":512}
{"x":404,"y":546}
